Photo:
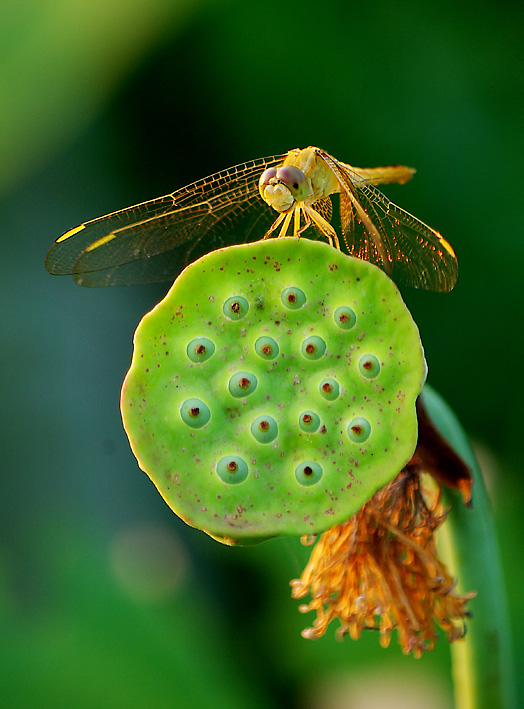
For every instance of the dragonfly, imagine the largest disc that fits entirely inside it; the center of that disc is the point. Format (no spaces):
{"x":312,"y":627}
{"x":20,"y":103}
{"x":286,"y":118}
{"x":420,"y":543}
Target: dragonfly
{"x":155,"y":240}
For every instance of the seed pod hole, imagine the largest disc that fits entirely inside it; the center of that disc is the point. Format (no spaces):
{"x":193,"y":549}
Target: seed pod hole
{"x":195,"y":413}
{"x":293,"y":298}
{"x":266,"y":347}
{"x":309,"y":421}
{"x":200,"y":349}
{"x":232,"y":469}
{"x":330,"y":389}
{"x":313,"y":347}
{"x":242,"y":384}
{"x":345,"y":317}
{"x":236,"y":307}
{"x":264,"y":429}
{"x":359,"y":429}
{"x":369,"y":366}
{"x":308,"y":473}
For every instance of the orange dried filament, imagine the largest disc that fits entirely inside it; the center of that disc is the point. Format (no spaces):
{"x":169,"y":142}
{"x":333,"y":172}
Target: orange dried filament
{"x":380,"y":570}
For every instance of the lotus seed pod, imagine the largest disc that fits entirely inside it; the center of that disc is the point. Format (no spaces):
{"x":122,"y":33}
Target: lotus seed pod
{"x":273,"y":390}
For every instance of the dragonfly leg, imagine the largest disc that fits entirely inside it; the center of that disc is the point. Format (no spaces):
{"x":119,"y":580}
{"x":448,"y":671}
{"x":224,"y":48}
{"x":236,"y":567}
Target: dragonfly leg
{"x":285,"y":225}
{"x":299,"y":230}
{"x":325,"y":227}
{"x":274,"y":226}
{"x":296,"y":222}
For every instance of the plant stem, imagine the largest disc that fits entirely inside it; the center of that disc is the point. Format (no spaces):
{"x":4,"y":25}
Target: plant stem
{"x":482,"y":663}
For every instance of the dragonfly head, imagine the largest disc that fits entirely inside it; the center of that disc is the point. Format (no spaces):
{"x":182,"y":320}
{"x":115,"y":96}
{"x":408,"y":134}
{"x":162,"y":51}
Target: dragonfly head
{"x":282,"y":187}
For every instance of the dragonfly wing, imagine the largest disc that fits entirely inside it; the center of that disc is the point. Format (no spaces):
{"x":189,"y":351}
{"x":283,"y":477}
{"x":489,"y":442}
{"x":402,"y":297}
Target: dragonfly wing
{"x":378,"y":231}
{"x":155,"y":240}
{"x":324,"y":207}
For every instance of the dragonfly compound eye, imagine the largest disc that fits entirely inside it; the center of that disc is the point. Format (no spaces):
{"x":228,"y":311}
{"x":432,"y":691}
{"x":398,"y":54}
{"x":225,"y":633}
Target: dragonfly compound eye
{"x":278,"y":411}
{"x":295,"y":180}
{"x":265,"y":178}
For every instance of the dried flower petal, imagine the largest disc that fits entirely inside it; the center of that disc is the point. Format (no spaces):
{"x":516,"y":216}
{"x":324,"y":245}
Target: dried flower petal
{"x":380,"y":570}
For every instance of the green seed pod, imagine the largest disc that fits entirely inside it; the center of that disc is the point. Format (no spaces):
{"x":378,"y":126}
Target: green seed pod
{"x":299,"y":406}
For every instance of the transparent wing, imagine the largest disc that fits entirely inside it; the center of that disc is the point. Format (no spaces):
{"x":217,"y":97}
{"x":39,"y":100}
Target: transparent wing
{"x":378,"y":231}
{"x":324,"y":207}
{"x":155,"y":240}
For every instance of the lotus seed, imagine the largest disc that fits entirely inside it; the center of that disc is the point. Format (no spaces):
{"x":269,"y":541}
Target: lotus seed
{"x":293,"y":298}
{"x":236,"y":308}
{"x":309,"y":421}
{"x":330,"y":389}
{"x":313,"y":347}
{"x":359,"y":429}
{"x":369,"y":366}
{"x":264,"y":429}
{"x":242,"y":384}
{"x":195,"y":413}
{"x":266,"y":347}
{"x":308,"y":473}
{"x":232,"y":469}
{"x":345,"y":317}
{"x":200,"y":349}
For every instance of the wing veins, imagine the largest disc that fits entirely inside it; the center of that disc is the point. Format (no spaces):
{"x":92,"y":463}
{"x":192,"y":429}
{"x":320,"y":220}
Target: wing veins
{"x":390,"y":237}
{"x":168,"y":222}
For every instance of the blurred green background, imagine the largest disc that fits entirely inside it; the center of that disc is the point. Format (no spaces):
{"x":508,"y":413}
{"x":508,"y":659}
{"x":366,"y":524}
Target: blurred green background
{"x":106,"y":598}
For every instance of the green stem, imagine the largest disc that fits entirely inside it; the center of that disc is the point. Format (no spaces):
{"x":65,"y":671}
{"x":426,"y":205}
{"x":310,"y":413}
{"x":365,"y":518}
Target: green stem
{"x":482,"y":663}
